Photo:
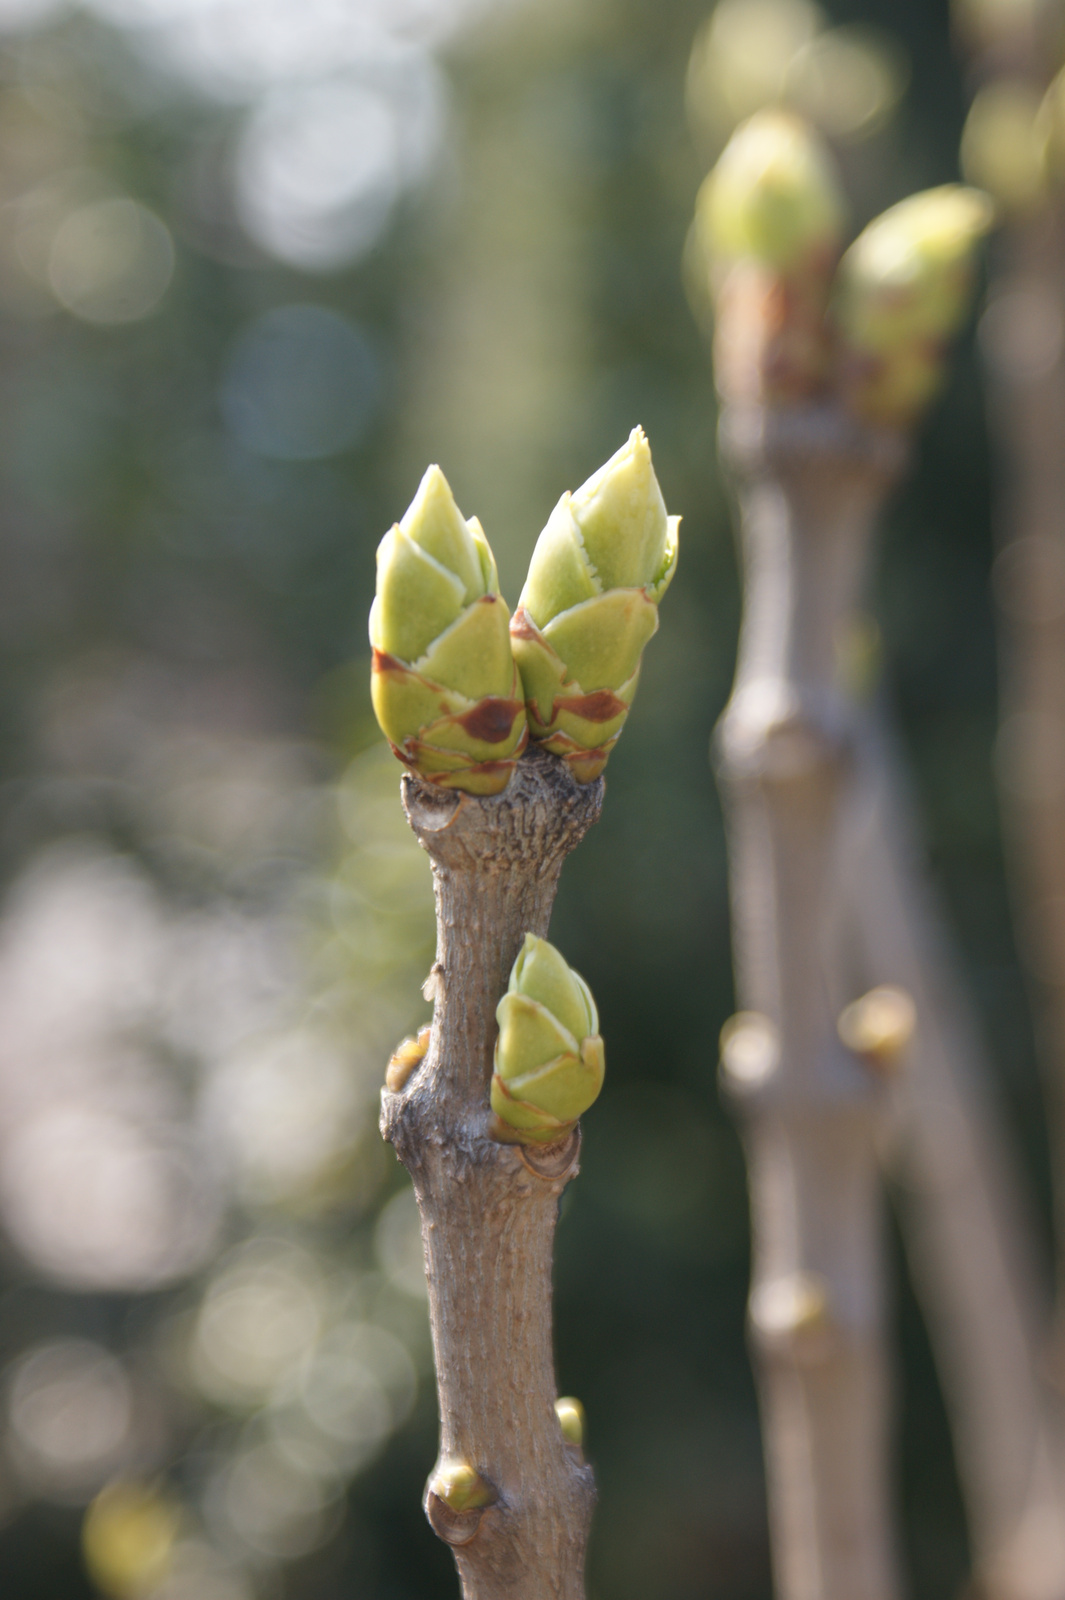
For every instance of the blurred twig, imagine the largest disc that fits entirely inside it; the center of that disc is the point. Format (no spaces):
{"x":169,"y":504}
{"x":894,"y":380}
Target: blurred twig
{"x":1011,"y":144}
{"x":808,"y":486}
{"x":824,"y":373}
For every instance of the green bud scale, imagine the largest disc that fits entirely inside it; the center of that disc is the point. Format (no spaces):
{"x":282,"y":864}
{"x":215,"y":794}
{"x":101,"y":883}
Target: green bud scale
{"x":590,"y":604}
{"x":549,"y":1060}
{"x":445,"y":687}
{"x":773,"y":197}
{"x":903,"y":288}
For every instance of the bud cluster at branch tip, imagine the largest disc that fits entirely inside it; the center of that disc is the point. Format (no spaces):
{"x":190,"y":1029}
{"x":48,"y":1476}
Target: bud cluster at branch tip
{"x":549,"y":1060}
{"x":445,"y":687}
{"x":590,"y":604}
{"x":903,"y":288}
{"x":795,"y":323}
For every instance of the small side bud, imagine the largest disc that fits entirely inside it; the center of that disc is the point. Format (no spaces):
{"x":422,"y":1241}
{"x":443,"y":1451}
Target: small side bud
{"x":406,"y":1058}
{"x":445,"y":688}
{"x":750,"y":1052}
{"x":903,"y":289}
{"x":570,"y":1415}
{"x":879,"y":1025}
{"x":460,"y":1486}
{"x":590,"y":604}
{"x":549,"y":1060}
{"x":791,"y":1318}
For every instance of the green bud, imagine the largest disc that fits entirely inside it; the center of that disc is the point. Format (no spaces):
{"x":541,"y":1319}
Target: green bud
{"x":549,"y":1057}
{"x":772,"y":198}
{"x":768,"y":228}
{"x":570,"y":1414}
{"x":1002,"y":145}
{"x":903,"y":288}
{"x":461,"y":1486}
{"x":590,"y":604}
{"x":445,"y":687}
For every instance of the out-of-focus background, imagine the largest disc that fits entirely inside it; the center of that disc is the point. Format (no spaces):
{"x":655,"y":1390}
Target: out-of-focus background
{"x":260,"y":262}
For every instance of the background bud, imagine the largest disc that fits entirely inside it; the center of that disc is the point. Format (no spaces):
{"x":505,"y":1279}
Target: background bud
{"x":903,"y":288}
{"x":445,"y":687}
{"x":549,"y":1056}
{"x":769,"y":221}
{"x":772,"y":197}
{"x":590,"y":604}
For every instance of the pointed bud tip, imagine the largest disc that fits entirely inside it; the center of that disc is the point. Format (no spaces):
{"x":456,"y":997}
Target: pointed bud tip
{"x":635,"y":452}
{"x":433,"y":494}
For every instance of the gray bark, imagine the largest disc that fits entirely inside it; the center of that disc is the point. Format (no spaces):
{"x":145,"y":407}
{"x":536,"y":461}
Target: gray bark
{"x":488,"y":1209}
{"x":808,"y":487}
{"x":828,"y":902}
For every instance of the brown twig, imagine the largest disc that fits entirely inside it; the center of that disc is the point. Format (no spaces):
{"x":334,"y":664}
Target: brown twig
{"x":488,"y":1209}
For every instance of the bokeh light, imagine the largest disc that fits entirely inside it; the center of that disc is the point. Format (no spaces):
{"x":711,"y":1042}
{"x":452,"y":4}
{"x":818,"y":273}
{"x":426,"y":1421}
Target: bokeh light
{"x":398,"y":1242}
{"x":111,"y":262}
{"x":849,"y":79}
{"x":321,"y":166}
{"x":69,"y":1414}
{"x":260,"y":1316}
{"x":127,"y":1537}
{"x":302,"y":382}
{"x":753,"y":53}
{"x":97,"y":1200}
{"x":742,"y":54}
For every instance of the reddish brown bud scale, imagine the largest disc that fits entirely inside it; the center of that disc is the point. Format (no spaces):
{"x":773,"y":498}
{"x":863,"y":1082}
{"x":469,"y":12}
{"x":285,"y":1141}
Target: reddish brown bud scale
{"x":492,"y":719}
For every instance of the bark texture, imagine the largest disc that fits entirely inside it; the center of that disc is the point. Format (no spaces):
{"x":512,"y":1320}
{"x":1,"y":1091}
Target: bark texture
{"x":967,"y":1230}
{"x":488,"y":1209}
{"x":828,"y":903}
{"x":808,"y":484}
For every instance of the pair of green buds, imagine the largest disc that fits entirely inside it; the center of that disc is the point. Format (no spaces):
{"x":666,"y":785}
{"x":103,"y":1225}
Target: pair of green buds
{"x":872,"y":325}
{"x":458,"y":686}
{"x":549,"y":1060}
